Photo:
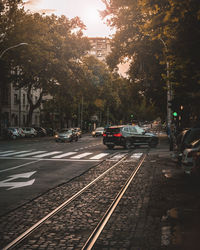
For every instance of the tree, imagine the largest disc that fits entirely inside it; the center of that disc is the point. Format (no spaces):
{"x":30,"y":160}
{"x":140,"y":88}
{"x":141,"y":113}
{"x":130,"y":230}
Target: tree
{"x":132,"y":42}
{"x":52,"y":47}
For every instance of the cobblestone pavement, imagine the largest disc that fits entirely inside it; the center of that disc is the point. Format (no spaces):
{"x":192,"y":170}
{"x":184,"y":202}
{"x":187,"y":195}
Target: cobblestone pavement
{"x":159,"y":211}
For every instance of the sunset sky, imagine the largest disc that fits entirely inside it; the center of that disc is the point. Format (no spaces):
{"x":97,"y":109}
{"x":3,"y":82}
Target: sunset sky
{"x":87,"y":10}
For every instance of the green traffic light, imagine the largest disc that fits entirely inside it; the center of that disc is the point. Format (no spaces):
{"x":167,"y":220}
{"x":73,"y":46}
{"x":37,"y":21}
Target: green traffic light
{"x":175,"y":114}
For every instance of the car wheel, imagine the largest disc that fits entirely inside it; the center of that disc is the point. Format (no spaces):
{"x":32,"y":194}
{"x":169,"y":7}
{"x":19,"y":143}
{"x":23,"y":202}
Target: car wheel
{"x":14,"y":137}
{"x":153,"y":143}
{"x":110,"y":146}
{"x":127,"y":144}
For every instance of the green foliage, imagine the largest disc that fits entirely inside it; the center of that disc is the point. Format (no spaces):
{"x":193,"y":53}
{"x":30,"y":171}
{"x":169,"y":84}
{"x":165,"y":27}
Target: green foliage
{"x":152,"y":33}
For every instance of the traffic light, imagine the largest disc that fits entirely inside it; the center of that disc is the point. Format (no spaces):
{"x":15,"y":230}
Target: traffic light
{"x":175,"y":114}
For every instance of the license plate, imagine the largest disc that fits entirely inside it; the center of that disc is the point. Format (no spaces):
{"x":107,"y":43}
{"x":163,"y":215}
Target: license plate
{"x":110,"y":135}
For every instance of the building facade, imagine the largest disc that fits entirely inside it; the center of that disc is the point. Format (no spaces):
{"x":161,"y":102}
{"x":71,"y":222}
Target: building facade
{"x":100,"y":47}
{"x":15,"y":107}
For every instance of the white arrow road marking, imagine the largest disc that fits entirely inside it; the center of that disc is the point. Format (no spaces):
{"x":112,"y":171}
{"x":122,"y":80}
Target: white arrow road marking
{"x":99,"y":156}
{"x":80,"y":156}
{"x":12,"y":185}
{"x":64,"y":155}
{"x":15,"y":153}
{"x":31,"y":153}
{"x":47,"y":154}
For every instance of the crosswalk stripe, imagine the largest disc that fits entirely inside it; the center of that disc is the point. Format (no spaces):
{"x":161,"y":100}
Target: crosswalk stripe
{"x":63,"y":155}
{"x":80,"y":156}
{"x":47,"y":154}
{"x":136,"y":155}
{"x":9,"y":151}
{"x":99,"y":156}
{"x":118,"y":156}
{"x":31,"y":153}
{"x":14,"y":153}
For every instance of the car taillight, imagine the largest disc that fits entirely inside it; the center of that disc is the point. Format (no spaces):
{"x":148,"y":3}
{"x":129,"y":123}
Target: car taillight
{"x":104,"y":134}
{"x":117,"y":135}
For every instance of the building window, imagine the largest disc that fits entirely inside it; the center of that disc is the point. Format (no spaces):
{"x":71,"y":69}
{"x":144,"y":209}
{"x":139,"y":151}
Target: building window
{"x":24,"y":99}
{"x":24,"y":119}
{"x":15,"y":99}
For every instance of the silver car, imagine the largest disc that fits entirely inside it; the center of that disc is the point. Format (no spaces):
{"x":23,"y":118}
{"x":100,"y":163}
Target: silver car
{"x":66,"y":135}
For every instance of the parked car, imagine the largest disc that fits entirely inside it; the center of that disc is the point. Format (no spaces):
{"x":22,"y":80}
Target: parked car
{"x":78,"y":131}
{"x":127,"y":136}
{"x":185,"y":138}
{"x":20,"y":132}
{"x":29,"y":132}
{"x":187,"y":161}
{"x":66,"y":135}
{"x":11,"y":133}
{"x":40,"y":131}
{"x":50,"y":131}
{"x":98,"y":132}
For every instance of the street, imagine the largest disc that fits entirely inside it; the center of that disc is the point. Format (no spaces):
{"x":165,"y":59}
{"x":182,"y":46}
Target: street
{"x":31,"y":167}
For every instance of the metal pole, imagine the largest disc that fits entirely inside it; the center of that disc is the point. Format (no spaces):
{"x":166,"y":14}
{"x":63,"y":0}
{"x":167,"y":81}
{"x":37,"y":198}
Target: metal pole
{"x":169,"y":99}
{"x":81,"y":112}
{"x":12,"y":47}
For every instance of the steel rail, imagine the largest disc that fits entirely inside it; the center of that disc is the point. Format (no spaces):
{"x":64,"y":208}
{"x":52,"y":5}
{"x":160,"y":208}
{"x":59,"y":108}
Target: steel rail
{"x":97,"y":231}
{"x":24,"y":235}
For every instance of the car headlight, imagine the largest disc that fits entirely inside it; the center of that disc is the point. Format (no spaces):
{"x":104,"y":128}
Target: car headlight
{"x":56,"y":136}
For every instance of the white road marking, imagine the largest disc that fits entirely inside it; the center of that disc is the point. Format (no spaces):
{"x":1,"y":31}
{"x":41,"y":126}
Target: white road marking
{"x":12,"y":185}
{"x":136,"y":155}
{"x":47,"y":154}
{"x":118,"y":156}
{"x":63,"y":155}
{"x":25,"y":164}
{"x":4,"y":152}
{"x":15,"y":153}
{"x":31,"y":153}
{"x":99,"y":156}
{"x":80,"y":156}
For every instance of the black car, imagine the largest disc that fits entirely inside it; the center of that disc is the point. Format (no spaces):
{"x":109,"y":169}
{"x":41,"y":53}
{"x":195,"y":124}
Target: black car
{"x":127,"y":136}
{"x":185,"y":138}
{"x":40,"y":131}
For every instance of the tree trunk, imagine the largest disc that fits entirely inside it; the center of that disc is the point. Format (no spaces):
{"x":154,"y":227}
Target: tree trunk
{"x":32,"y":105}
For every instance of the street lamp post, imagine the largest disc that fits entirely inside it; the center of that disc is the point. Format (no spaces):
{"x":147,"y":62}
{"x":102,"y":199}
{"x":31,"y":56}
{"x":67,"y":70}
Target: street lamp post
{"x":169,"y":90}
{"x":12,"y":47}
{"x":169,"y":100}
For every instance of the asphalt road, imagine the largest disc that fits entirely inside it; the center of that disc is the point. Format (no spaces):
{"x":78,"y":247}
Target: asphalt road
{"x":30,"y":167}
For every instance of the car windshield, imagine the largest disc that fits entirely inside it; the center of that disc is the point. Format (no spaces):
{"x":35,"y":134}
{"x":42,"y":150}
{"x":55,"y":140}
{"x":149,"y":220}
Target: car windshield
{"x":65,"y":131}
{"x":99,"y":129}
{"x":139,"y":130}
{"x":113,"y":130}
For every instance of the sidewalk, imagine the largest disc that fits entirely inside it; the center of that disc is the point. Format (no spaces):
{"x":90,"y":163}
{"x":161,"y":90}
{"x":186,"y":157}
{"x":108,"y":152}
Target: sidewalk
{"x":178,"y":195}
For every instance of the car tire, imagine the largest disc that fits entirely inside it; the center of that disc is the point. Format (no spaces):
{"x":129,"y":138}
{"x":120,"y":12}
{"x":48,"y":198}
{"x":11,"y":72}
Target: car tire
{"x":127,"y":144}
{"x":110,"y":146}
{"x":153,"y":143}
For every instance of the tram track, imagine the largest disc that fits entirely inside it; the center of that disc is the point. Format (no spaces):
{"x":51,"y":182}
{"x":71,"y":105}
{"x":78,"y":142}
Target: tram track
{"x":70,"y":205}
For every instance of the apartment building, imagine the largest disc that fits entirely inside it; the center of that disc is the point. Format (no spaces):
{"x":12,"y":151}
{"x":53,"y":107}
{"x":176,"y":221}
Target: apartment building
{"x":15,"y":107}
{"x":101,"y":48}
